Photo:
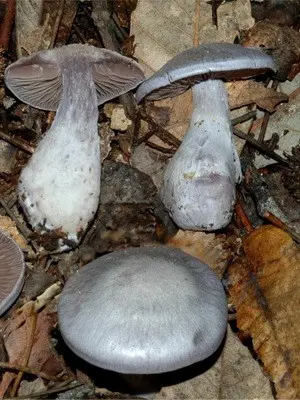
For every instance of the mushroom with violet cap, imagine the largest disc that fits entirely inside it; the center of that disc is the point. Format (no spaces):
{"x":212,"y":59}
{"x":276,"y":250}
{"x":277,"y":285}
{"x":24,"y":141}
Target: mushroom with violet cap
{"x":143,"y":311}
{"x":199,"y":181}
{"x":12,"y":272}
{"x":59,"y":188}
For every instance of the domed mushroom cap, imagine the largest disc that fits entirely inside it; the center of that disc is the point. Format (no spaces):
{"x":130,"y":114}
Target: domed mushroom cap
{"x":143,"y":311}
{"x":37,"y":79}
{"x":208,"y":61}
{"x":12,"y":272}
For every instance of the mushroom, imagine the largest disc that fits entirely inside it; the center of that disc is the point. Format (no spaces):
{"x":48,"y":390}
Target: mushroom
{"x":59,"y":188}
{"x":143,"y":311}
{"x":12,"y":272}
{"x":199,"y":181}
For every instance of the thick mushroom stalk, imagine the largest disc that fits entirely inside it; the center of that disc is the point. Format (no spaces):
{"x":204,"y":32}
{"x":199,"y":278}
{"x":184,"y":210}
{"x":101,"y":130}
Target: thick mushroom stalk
{"x":60,"y":186}
{"x":199,"y":182}
{"x":198,"y":187}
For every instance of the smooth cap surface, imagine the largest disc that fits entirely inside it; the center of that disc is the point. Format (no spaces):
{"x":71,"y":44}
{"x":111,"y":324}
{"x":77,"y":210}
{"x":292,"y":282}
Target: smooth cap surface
{"x":143,"y":311}
{"x":208,"y":61}
{"x":12,"y":271}
{"x":37,"y":79}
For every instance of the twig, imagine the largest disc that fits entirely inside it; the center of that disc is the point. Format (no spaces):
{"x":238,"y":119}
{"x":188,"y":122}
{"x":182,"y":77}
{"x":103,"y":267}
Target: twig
{"x":21,"y":144}
{"x":7,"y":23}
{"x":266,"y":117}
{"x":196,"y":23}
{"x":277,"y":222}
{"x":243,"y":217}
{"x":144,"y":138}
{"x":160,"y":148}
{"x":263,"y":148}
{"x":214,"y":13}
{"x":57,"y":22}
{"x":162,"y":133}
{"x":27,"y":370}
{"x":14,"y":218}
{"x":243,"y":118}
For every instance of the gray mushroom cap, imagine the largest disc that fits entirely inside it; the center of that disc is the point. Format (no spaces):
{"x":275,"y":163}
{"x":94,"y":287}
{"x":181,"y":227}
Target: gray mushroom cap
{"x":143,"y":311}
{"x":209,"y":61}
{"x":12,"y":272}
{"x":37,"y":80}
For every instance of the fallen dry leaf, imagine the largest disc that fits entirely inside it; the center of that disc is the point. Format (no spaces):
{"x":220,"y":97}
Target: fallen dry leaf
{"x":236,"y":375}
{"x":17,"y":336}
{"x":243,"y":93}
{"x":8,"y":226}
{"x":265,"y":289}
{"x":214,"y":249}
{"x":282,"y":42}
{"x":35,"y":21}
{"x":163,"y":29}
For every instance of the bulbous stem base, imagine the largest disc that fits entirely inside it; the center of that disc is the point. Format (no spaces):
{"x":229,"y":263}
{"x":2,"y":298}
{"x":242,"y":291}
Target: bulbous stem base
{"x":199,"y":181}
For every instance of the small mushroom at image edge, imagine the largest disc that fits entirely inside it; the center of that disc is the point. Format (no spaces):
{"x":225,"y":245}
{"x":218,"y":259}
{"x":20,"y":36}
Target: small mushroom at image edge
{"x":12,"y":272}
{"x":199,"y":181}
{"x":59,"y":187}
{"x":143,"y":311}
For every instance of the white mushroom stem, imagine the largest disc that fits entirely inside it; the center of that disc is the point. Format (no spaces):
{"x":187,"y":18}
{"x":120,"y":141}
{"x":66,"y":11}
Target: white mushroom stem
{"x":199,"y":181}
{"x":60,"y":186}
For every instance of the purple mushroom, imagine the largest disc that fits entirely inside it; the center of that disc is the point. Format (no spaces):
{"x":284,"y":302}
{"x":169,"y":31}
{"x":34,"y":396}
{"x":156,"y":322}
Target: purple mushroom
{"x":199,"y":181}
{"x":59,"y":187}
{"x":143,"y":311}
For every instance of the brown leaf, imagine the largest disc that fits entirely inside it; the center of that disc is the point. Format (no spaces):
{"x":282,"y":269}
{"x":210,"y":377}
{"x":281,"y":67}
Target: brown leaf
{"x":265,"y":289}
{"x":36,"y":33}
{"x":282,"y":42}
{"x":242,"y":93}
{"x":17,"y":335}
{"x":215,"y":250}
{"x":235,"y":375}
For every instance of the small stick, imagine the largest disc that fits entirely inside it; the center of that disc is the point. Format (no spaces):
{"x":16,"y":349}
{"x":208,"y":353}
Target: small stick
{"x":144,"y":138}
{"x":196,"y":23}
{"x":262,"y":147}
{"x":243,"y":217}
{"x":244,"y":118}
{"x":7,"y":23}
{"x":160,"y":148}
{"x":162,"y":133}
{"x":214,"y":13}
{"x":294,"y":94}
{"x":266,"y":117}
{"x":27,"y":370}
{"x":17,"y":142}
{"x":277,"y":222}
{"x":14,"y":218}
